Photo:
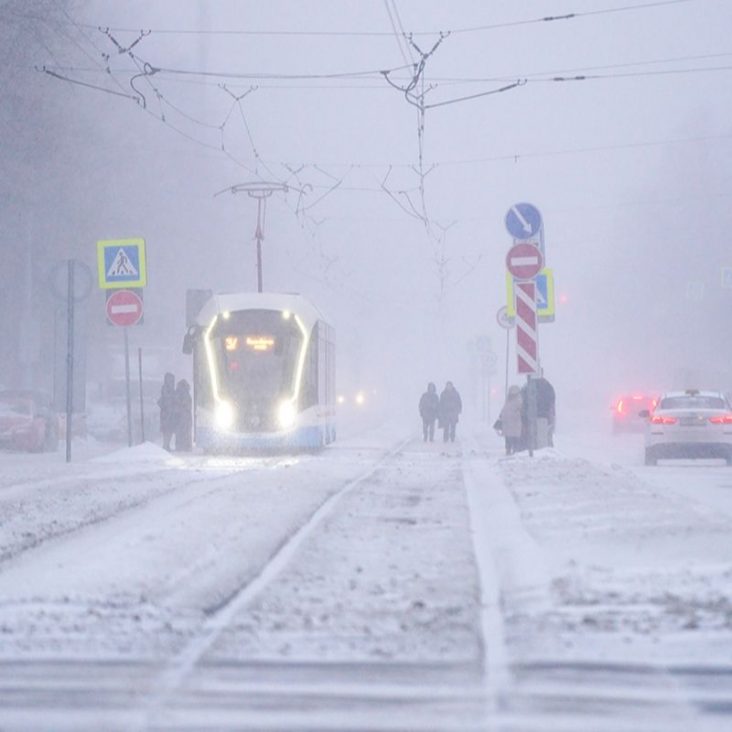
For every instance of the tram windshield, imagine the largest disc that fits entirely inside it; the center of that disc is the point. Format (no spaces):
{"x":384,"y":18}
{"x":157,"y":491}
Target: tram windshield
{"x":257,"y":353}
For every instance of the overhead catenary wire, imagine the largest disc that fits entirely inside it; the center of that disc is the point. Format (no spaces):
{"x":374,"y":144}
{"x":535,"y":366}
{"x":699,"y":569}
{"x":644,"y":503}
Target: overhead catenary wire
{"x":445,"y":80}
{"x":146,"y":71}
{"x":383,"y":34}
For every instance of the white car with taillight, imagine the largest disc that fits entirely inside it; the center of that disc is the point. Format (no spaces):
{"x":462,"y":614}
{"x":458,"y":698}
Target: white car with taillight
{"x":689,"y":424}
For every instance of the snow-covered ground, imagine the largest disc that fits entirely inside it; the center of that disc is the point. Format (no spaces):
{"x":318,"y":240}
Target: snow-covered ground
{"x":382,"y":584}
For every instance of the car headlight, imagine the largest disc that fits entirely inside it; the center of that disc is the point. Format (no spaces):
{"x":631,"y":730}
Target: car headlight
{"x":286,"y":414}
{"x":225,"y":415}
{"x":360,"y":398}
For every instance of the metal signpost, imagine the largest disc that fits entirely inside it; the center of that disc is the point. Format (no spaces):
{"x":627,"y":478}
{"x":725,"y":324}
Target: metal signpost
{"x":524,"y":262}
{"x":507,"y":323}
{"x":77,"y":289}
{"x":122,"y":266}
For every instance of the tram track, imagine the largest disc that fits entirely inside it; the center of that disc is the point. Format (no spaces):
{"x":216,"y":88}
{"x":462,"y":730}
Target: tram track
{"x":220,"y":615}
{"x":34,"y":535}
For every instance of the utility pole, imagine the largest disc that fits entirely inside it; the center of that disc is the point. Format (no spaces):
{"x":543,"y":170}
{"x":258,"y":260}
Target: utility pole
{"x":261,"y":190}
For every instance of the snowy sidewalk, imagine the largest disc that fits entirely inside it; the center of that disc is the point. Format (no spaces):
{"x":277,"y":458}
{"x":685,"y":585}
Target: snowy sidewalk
{"x":613,"y":600}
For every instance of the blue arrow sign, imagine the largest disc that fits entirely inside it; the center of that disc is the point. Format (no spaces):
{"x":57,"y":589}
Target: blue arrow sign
{"x":523,"y":221}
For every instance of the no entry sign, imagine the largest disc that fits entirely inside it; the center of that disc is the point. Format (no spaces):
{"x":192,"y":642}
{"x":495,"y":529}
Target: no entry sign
{"x":524,"y":261}
{"x":124,"y":307}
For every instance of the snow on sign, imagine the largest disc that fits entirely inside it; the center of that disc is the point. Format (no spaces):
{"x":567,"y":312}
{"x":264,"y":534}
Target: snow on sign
{"x":121,"y":263}
{"x":524,"y":261}
{"x":124,"y":307}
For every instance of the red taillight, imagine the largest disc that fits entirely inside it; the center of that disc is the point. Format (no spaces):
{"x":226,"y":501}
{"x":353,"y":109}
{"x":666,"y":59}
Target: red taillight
{"x":721,"y":419}
{"x":659,"y":419}
{"x":619,"y":407}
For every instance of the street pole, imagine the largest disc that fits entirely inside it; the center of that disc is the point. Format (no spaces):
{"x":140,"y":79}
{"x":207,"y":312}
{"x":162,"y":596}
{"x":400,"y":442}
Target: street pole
{"x":69,"y":358}
{"x":127,"y":388}
{"x":142,"y":400}
{"x":505,"y":391}
{"x":531,"y":412}
{"x":259,"y":234}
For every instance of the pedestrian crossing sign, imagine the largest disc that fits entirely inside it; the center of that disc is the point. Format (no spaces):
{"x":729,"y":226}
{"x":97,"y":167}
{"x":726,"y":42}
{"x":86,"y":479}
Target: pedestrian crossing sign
{"x":121,"y":263}
{"x":545,"y":307}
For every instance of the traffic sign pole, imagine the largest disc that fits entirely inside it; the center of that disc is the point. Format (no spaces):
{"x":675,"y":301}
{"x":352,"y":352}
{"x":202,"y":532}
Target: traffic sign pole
{"x":524,"y":261}
{"x":526,"y":328}
{"x":127,"y":389}
{"x":69,"y":359}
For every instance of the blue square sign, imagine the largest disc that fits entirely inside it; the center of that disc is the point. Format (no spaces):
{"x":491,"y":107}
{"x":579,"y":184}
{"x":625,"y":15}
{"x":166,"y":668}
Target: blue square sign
{"x":121,"y":263}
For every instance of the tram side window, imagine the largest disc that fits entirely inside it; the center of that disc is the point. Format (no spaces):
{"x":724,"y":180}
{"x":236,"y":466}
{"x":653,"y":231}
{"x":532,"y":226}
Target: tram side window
{"x":310,"y":375}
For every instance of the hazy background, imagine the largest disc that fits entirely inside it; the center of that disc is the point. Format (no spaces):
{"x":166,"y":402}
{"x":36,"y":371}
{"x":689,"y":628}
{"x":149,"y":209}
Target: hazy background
{"x":630,"y":167}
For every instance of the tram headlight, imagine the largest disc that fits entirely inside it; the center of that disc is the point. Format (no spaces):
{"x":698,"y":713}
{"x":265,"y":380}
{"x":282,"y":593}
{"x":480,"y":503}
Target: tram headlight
{"x":225,"y":415}
{"x":286,"y":414}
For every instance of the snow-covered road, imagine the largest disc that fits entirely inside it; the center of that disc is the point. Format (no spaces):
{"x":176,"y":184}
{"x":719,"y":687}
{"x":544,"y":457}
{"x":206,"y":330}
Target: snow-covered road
{"x":383,"y":584}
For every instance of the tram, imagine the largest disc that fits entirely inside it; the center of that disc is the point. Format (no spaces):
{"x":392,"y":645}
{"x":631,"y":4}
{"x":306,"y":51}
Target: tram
{"x":263,"y":373}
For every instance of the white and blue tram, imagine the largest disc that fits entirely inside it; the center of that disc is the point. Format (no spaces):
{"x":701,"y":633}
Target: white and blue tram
{"x":263,"y":372}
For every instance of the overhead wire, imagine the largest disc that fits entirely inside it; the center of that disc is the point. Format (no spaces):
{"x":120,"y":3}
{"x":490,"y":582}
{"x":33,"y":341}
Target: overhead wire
{"x":363,"y":75}
{"x":383,"y":34}
{"x":397,"y":37}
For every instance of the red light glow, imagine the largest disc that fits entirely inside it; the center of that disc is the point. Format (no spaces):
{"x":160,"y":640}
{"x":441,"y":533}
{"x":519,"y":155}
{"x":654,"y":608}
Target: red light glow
{"x":721,"y":419}
{"x":659,"y":419}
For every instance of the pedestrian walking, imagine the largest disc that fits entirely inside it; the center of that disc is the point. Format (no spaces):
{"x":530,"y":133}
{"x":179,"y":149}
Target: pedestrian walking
{"x":429,"y":405}
{"x":449,"y":411}
{"x":511,"y":420}
{"x":183,"y":417}
{"x":166,"y":402}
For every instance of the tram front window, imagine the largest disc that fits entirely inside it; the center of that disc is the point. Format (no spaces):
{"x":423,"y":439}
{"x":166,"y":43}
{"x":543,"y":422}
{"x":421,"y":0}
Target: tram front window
{"x":257,"y":353}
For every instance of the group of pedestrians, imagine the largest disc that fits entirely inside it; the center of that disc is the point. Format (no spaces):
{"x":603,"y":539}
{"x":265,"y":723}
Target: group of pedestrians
{"x":444,"y":409}
{"x":513,"y":420}
{"x":176,"y":414}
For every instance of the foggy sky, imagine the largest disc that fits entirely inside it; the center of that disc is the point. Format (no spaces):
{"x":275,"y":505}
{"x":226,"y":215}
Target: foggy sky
{"x":631,"y":174}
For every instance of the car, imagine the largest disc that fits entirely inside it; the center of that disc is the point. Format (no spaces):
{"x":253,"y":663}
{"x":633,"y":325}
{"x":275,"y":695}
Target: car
{"x":689,"y":424}
{"x":626,"y":411}
{"x":28,"y":421}
{"x":357,"y":398}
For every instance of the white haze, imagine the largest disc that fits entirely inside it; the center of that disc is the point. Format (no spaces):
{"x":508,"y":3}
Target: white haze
{"x":632,"y":175}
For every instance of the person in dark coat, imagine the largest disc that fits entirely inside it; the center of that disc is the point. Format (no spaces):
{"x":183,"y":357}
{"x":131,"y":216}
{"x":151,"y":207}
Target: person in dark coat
{"x":183,"y":417}
{"x":546,"y":405}
{"x":166,"y":402}
{"x":429,"y":405}
{"x":449,"y":412}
